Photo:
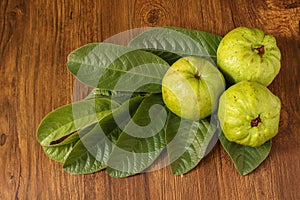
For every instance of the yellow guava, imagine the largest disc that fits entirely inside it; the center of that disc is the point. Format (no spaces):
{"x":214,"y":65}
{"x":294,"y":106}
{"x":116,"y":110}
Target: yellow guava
{"x":249,"y":113}
{"x":191,"y":87}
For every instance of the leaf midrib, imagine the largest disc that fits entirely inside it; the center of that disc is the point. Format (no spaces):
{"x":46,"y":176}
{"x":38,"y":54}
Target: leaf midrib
{"x":119,"y":70}
{"x":69,"y":123}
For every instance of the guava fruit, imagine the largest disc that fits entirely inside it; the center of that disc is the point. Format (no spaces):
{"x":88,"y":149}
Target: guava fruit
{"x":248,"y":54}
{"x":249,"y":113}
{"x":191,"y":87}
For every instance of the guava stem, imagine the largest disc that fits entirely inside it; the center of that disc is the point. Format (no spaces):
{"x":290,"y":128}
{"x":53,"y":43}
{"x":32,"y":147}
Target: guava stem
{"x":261,"y":50}
{"x":255,"y":122}
{"x":198,"y":75}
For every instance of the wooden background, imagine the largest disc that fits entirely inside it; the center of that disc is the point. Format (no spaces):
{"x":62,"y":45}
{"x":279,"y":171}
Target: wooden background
{"x":37,"y":35}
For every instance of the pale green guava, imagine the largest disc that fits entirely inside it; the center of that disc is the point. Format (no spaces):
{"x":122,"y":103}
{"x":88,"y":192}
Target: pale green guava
{"x":249,"y":113}
{"x":248,"y":54}
{"x":191,"y":87}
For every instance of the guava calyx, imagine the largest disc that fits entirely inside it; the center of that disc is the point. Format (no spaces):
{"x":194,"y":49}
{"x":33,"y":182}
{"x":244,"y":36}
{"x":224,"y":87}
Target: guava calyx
{"x":260,"y":50}
{"x":256,"y":121}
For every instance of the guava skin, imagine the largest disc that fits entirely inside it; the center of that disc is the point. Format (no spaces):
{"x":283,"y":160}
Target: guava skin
{"x":191,"y":87}
{"x":248,"y":54}
{"x":249,"y":113}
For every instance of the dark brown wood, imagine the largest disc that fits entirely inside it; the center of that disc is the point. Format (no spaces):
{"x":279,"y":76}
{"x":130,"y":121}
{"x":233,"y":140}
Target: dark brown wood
{"x":35,"y":39}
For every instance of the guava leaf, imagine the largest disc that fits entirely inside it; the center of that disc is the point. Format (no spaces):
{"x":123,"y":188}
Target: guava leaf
{"x":188,"y":142}
{"x":245,"y":158}
{"x":60,"y":152}
{"x":70,"y":118}
{"x":61,"y":145}
{"x":115,"y":96}
{"x":81,"y":160}
{"x":117,"y":68}
{"x":171,"y":43}
{"x":98,"y":93}
{"x":141,"y":141}
{"x":91,"y":152}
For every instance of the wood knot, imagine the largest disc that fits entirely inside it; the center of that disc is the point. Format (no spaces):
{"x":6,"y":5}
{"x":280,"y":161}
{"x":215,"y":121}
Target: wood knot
{"x":19,"y":10}
{"x":153,"y":14}
{"x":16,"y":12}
{"x":2,"y":139}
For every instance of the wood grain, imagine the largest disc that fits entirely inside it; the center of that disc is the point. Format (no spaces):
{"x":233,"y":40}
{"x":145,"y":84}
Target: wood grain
{"x":35,"y":39}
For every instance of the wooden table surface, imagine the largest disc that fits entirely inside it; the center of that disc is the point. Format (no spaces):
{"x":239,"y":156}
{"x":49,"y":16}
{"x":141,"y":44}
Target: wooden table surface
{"x":35,"y":38}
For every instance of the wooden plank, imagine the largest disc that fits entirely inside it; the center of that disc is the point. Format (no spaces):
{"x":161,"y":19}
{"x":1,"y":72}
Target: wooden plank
{"x":35,"y":39}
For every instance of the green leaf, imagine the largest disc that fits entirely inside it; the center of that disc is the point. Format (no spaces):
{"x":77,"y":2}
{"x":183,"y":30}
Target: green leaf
{"x":59,"y":150}
{"x":117,"y":68}
{"x":59,"y":153}
{"x":141,"y":141}
{"x":116,"y":96}
{"x":245,"y":158}
{"x":98,"y":93}
{"x":70,"y":118}
{"x":188,"y":142}
{"x":91,"y":152}
{"x":80,"y":161}
{"x":171,"y":43}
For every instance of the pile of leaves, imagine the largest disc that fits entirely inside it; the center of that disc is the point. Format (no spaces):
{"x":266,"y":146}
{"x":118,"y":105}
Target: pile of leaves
{"x":123,"y":126}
